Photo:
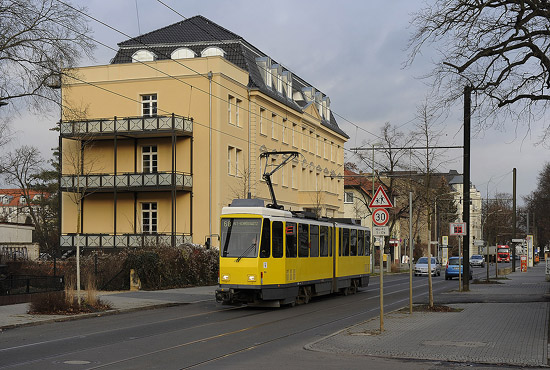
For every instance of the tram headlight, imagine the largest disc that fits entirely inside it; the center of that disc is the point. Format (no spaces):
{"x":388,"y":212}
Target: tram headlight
{"x":225,"y":277}
{"x":251,"y":278}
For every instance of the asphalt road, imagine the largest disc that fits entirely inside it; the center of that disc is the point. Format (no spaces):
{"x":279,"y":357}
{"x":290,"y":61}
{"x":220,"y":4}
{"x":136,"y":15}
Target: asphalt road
{"x":210,"y":336}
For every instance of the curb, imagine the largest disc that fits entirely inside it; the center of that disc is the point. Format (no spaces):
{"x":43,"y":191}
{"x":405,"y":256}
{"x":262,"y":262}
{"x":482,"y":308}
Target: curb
{"x":93,"y":314}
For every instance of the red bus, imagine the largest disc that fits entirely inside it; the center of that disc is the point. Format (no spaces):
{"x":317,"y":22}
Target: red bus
{"x":503,"y":253}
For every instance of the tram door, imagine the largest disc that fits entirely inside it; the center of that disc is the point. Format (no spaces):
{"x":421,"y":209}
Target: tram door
{"x":271,"y":252}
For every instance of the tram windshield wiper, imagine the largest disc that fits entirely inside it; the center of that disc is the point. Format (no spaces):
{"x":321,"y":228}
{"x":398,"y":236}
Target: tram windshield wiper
{"x":246,"y":252}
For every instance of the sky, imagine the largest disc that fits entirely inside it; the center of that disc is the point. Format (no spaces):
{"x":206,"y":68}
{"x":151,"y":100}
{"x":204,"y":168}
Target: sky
{"x":353,"y":51}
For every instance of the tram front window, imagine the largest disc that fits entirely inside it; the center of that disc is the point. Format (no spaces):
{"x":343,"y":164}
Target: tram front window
{"x":240,"y":237}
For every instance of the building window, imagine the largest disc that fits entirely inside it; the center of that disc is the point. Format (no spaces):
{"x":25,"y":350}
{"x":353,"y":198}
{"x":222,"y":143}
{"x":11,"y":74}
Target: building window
{"x":149,"y":105}
{"x":230,"y":102}
{"x":149,"y":217}
{"x":312,"y":142}
{"x":325,"y":148}
{"x":234,"y":158}
{"x":294,"y":128}
{"x":149,"y":158}
{"x":23,"y":200}
{"x":317,"y":145}
{"x":237,"y":111}
{"x":293,"y":177}
{"x":283,"y":177}
{"x":273,"y":176}
{"x":273,"y":128}
{"x":229,"y":162}
{"x":262,"y":123}
{"x":331,"y":153}
{"x":284,"y":131}
{"x":304,"y":138}
{"x":238,"y":156}
{"x":348,"y":197}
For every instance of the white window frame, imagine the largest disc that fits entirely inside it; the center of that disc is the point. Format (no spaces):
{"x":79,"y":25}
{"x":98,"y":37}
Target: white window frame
{"x":262,"y":123}
{"x":149,"y":212}
{"x":230,"y":150}
{"x":149,"y":105}
{"x":238,"y":156}
{"x":284,"y":131}
{"x":237,"y":112}
{"x":273,"y":121}
{"x":230,"y":100}
{"x":294,"y":134}
{"x":293,"y":177}
{"x":149,"y":159}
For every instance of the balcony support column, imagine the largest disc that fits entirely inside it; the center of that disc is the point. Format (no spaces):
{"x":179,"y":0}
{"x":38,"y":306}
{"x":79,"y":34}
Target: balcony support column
{"x":173,"y":239}
{"x":115,"y":195}
{"x":191,"y":195}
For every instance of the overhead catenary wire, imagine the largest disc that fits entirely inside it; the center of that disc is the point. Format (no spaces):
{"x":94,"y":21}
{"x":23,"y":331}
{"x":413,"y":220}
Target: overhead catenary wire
{"x":168,"y":75}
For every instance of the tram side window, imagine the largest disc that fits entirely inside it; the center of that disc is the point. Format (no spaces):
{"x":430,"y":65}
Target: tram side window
{"x":303,"y":240}
{"x":353,"y":242}
{"x":345,"y":242}
{"x":360,"y":243}
{"x":277,"y":242}
{"x":367,"y":243}
{"x":290,"y":233}
{"x":266,"y":239}
{"x":314,"y":239}
{"x":324,"y":239}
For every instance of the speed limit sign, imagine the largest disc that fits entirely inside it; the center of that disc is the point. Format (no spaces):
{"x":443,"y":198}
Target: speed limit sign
{"x":380,"y":216}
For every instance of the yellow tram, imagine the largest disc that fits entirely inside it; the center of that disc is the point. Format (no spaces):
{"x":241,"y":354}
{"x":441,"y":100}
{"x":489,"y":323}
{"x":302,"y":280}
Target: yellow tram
{"x":273,"y":257}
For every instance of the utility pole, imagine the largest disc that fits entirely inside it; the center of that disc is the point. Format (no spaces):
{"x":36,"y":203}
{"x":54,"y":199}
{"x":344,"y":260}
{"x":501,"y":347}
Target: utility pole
{"x":514,"y":223}
{"x":466,"y":185}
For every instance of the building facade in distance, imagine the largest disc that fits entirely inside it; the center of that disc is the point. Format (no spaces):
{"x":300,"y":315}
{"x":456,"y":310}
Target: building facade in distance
{"x":157,"y":142}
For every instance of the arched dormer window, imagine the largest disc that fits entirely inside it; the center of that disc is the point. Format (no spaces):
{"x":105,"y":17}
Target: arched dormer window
{"x":183,"y":53}
{"x":212,"y":51}
{"x":143,"y":56}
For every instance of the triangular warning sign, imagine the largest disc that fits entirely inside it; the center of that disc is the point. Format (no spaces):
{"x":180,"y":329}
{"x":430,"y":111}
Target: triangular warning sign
{"x":380,"y":199}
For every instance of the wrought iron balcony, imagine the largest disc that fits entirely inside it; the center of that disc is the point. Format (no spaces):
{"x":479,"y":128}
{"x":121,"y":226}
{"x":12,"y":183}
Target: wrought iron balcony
{"x":127,"y":182}
{"x":123,"y":241}
{"x":107,"y":128}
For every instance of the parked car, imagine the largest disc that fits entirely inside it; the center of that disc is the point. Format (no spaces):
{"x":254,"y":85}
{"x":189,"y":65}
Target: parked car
{"x":455,"y":267}
{"x":421,"y":267}
{"x":477,"y":260}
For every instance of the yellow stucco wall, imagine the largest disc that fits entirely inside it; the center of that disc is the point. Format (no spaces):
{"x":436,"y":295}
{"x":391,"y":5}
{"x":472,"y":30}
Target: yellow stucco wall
{"x":188,"y":95}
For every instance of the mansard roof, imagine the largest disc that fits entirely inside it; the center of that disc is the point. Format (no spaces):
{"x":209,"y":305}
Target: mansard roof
{"x":196,"y":34}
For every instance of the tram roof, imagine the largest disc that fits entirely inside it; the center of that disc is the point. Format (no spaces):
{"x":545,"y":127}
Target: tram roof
{"x":260,"y":211}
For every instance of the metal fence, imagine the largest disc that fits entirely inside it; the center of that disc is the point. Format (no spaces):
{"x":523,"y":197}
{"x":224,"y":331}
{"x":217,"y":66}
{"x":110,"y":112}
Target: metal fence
{"x":24,"y":284}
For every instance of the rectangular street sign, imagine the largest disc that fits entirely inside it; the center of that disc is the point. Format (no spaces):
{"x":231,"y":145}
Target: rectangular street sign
{"x":380,"y":231}
{"x":518,"y":240}
{"x":458,"y":228}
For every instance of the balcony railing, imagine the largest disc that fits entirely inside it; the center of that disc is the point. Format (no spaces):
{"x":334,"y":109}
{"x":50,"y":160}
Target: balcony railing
{"x":129,"y":126}
{"x":123,"y":240}
{"x":127,"y":182}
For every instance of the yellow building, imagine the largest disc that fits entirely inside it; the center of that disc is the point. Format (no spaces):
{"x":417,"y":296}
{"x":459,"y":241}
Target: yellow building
{"x":157,"y":142}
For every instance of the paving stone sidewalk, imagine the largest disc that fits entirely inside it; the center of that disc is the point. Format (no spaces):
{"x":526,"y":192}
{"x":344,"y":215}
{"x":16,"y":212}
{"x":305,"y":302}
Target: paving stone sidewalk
{"x":499,"y":332}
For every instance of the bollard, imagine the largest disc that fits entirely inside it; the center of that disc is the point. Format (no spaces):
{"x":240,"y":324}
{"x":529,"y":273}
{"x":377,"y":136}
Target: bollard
{"x":135,"y":283}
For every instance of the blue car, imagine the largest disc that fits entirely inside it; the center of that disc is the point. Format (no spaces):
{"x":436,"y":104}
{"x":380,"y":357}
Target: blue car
{"x":454,"y":267}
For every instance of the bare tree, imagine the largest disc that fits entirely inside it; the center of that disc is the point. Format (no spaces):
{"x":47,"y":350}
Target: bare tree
{"x":37,"y":39}
{"x":499,"y":47}
{"x":24,"y":169}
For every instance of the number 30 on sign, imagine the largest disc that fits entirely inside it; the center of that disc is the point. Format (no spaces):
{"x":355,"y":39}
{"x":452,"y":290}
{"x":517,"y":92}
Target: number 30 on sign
{"x":380,"y":216}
